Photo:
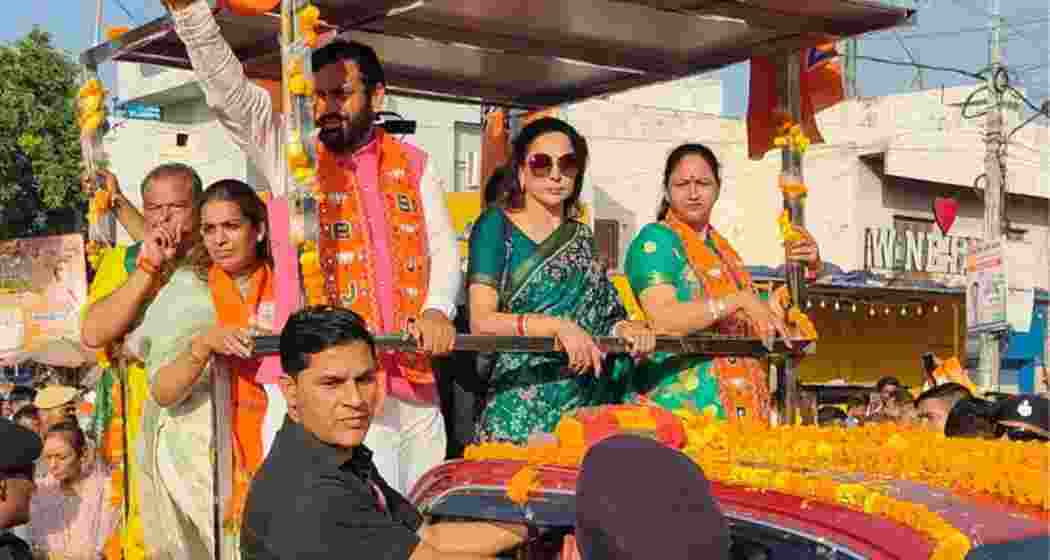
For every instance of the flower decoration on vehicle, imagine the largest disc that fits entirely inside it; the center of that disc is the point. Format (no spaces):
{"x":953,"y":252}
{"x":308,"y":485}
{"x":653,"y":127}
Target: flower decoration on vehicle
{"x":809,"y":462}
{"x":790,"y":136}
{"x":788,"y":232}
{"x":313,"y":276}
{"x":93,"y":249}
{"x":299,"y":162}
{"x":298,"y":83}
{"x":90,"y":106}
{"x":792,"y":187}
{"x":309,"y":17}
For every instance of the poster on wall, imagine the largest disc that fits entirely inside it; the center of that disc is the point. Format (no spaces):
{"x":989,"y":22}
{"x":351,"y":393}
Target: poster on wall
{"x":43,"y":285}
{"x":987,"y":288}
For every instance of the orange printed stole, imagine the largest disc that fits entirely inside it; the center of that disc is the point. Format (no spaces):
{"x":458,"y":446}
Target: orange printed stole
{"x":247,"y":395}
{"x":347,"y":245}
{"x":742,"y":382}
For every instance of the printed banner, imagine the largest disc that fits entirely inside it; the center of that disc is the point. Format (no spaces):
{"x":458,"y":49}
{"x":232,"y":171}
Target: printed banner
{"x":43,"y":285}
{"x":986,"y":288}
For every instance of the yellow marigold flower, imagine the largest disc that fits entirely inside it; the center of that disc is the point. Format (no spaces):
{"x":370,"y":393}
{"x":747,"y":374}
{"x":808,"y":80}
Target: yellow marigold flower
{"x":521,"y":485}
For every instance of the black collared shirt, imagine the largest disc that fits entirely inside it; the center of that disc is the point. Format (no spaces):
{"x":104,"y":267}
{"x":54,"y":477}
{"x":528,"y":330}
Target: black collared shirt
{"x":13,"y":548}
{"x":309,"y":502}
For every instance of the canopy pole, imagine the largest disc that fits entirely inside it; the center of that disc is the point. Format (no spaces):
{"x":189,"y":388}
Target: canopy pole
{"x":790,"y":90}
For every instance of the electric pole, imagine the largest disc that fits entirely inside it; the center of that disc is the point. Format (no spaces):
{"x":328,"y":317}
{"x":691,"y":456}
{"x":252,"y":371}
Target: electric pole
{"x":98,"y":22}
{"x":988,"y":372}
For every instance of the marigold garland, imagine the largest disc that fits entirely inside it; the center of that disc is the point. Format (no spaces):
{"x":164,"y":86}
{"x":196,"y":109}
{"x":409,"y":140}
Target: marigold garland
{"x":313,"y":276}
{"x":309,"y":17}
{"x":802,"y":461}
{"x":791,"y":136}
{"x":788,"y":232}
{"x":90,"y":106}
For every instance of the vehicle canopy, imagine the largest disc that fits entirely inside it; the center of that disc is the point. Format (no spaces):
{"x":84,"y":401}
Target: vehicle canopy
{"x":534,"y":53}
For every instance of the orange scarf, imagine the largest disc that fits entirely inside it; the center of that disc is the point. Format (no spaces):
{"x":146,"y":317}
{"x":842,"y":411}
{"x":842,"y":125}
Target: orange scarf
{"x":346,"y":242}
{"x":743,"y":388}
{"x":248,"y":397}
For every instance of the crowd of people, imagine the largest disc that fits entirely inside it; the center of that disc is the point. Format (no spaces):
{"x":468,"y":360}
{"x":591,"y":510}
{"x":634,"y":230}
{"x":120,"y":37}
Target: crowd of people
{"x":348,"y":427}
{"x":946,"y":407}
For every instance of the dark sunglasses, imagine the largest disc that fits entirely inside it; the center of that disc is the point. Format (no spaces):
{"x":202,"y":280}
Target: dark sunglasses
{"x":541,"y":165}
{"x":1021,"y":434}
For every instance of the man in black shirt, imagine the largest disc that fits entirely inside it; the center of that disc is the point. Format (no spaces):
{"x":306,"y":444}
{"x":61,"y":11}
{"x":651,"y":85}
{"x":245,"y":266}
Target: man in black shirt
{"x":21,"y":448}
{"x":318,"y":494}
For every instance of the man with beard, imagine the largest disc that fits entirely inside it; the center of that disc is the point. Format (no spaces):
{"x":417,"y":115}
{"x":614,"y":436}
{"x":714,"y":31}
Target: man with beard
{"x":384,"y":212}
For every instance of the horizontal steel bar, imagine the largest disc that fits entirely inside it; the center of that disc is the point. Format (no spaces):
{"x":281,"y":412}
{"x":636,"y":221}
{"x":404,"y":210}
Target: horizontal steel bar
{"x":699,"y":345}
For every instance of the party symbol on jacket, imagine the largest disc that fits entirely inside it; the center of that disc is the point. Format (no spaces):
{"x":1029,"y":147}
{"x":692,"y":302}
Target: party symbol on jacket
{"x":405,"y":204}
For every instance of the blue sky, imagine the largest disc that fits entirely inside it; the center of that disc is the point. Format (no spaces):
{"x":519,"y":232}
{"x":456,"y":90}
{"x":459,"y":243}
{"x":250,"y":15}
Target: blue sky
{"x":1027,"y":46}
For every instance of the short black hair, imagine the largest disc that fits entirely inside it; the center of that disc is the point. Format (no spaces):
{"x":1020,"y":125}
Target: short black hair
{"x":363,"y":55}
{"x":27,"y":411}
{"x":950,"y":392}
{"x":888,"y":380}
{"x":857,"y":400}
{"x":973,"y":417}
{"x":317,"y":328}
{"x":829,"y":414}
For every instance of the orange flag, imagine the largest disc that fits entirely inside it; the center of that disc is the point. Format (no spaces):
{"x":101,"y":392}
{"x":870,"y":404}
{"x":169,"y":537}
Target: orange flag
{"x":495,"y":148}
{"x":821,"y":87}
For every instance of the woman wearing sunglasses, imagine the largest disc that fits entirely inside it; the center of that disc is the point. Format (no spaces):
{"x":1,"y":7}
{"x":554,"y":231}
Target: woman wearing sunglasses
{"x":533,"y":272}
{"x":688,"y":278}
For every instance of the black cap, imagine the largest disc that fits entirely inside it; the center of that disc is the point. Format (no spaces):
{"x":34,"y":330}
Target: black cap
{"x":21,"y":447}
{"x":671,"y":516}
{"x":1032,"y":410}
{"x":22,"y":393}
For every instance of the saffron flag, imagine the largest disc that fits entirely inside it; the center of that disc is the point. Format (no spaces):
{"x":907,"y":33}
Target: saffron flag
{"x":820,"y":85}
{"x":495,"y":149}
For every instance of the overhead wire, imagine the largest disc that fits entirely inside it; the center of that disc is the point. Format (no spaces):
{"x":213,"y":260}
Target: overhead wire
{"x":956,"y":32}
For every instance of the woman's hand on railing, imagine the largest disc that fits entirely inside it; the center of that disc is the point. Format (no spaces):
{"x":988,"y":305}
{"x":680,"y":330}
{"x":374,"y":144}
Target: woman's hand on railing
{"x":765,"y":322}
{"x":583,"y":352}
{"x":639,"y":337}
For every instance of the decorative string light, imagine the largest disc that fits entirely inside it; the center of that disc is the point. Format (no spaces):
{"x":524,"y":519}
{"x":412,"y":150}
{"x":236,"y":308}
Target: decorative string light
{"x":872,"y":311}
{"x":886,"y":310}
{"x":854,"y":307}
{"x":936,"y":309}
{"x":836,"y":305}
{"x":823,"y":304}
{"x":920,"y":311}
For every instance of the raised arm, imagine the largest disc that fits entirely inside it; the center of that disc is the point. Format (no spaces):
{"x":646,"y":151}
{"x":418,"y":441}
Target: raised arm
{"x":243,"y":108}
{"x":130,"y":217}
{"x":111,"y":317}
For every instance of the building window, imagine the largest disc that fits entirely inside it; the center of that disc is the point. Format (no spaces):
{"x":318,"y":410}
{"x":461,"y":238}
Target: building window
{"x":467,"y":156}
{"x":607,"y":242}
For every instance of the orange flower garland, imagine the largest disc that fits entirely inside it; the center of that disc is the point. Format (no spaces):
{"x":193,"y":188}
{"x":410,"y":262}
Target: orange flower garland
{"x":313,"y":276}
{"x":521,"y":484}
{"x":803,"y":461}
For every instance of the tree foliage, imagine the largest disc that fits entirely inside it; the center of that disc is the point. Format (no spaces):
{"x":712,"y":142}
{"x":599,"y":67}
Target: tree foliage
{"x":39,"y":141}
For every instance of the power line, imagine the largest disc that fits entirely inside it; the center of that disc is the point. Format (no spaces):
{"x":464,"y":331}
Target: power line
{"x":971,"y":75}
{"x":960,"y":31}
{"x":126,"y":11}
